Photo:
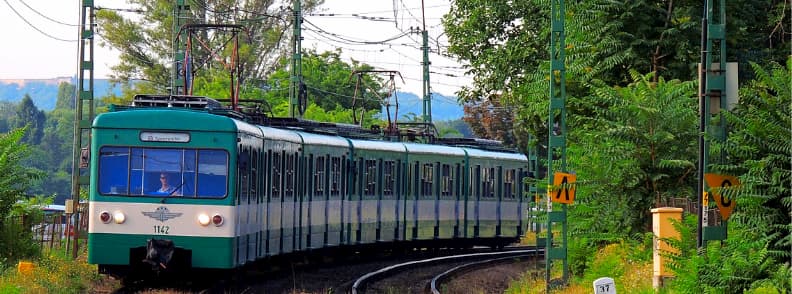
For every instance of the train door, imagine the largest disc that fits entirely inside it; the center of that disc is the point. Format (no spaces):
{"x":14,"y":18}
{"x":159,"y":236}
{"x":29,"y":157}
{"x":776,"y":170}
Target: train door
{"x":474,"y":188}
{"x":243,"y":176}
{"x":289,"y":211}
{"x":318,"y":202}
{"x":334,"y":208}
{"x":488,"y":203}
{"x":510,"y":203}
{"x":447,"y":202}
{"x":459,"y":201}
{"x":262,"y":187}
{"x":388,"y":203}
{"x":275,"y":204}
{"x":367,"y":210}
{"x":254,"y":219}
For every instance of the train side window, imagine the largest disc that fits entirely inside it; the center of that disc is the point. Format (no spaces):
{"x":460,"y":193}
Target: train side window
{"x":319,"y":176}
{"x":389,"y":181}
{"x":243,"y":168}
{"x":276,"y":174}
{"x":427,"y":179}
{"x":475,"y":180}
{"x":458,"y":179}
{"x":335,"y":176}
{"x":446,"y":181}
{"x":288,"y":189}
{"x":416,"y":175}
{"x":488,"y":182}
{"x":508,"y":184}
{"x":114,"y":170}
{"x":254,"y":176}
{"x":370,"y":177}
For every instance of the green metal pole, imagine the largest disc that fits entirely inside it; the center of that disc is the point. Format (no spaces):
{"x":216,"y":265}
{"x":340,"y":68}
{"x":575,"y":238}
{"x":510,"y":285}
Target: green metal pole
{"x":296,"y":64}
{"x":556,"y":143}
{"x":427,"y":90}
{"x":180,"y":17}
{"x":83,"y":114}
{"x":714,"y":89}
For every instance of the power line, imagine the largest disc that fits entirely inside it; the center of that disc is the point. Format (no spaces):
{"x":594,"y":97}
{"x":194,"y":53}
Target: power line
{"x":34,"y":27}
{"x":349,"y":39}
{"x":47,"y":17}
{"x":353,"y":16}
{"x":387,"y":11}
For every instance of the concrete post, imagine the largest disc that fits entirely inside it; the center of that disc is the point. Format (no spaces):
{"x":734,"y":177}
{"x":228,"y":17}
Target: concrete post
{"x":663,"y":228}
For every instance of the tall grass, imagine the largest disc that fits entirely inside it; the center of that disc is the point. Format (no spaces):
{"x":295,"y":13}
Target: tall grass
{"x":625,"y":262}
{"x":54,"y":272}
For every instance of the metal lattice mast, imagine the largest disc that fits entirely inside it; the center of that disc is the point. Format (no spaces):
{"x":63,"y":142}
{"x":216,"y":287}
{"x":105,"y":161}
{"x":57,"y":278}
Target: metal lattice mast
{"x":427,"y":88}
{"x":83,"y":114}
{"x":178,"y":71}
{"x":296,"y":64}
{"x":714,"y":90}
{"x":556,"y":141}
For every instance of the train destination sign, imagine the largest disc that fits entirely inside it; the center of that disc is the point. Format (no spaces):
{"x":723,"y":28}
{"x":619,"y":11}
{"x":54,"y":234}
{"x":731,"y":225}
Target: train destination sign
{"x":717,"y":182}
{"x":164,"y":137}
{"x":564,"y":185}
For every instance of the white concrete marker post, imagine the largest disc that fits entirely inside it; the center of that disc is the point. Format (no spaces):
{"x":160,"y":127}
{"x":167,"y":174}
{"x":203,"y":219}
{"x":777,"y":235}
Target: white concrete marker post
{"x":604,"y":286}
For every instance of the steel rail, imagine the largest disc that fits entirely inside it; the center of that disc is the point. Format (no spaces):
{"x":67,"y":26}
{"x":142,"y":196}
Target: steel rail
{"x":360,"y":283}
{"x":457,"y":269}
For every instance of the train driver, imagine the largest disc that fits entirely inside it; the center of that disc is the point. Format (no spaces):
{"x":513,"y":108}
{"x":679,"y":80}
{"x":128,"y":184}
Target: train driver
{"x":166,"y":188}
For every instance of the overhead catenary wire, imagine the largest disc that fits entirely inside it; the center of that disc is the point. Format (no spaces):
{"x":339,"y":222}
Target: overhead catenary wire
{"x":47,"y":17}
{"x":349,"y":39}
{"x":34,"y":27}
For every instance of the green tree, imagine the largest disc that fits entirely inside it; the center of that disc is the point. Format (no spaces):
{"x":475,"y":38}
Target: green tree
{"x":639,"y":149}
{"x":329,"y":82}
{"x":13,"y":184}
{"x":27,"y":114}
{"x":66,"y":96}
{"x":505,"y":45}
{"x":145,"y":44}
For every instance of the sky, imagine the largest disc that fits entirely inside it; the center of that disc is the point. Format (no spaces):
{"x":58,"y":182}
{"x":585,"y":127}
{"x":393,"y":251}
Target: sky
{"x":30,"y":54}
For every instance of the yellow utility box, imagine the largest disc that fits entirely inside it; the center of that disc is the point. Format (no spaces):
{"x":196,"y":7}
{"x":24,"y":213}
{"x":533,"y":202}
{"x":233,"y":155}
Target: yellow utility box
{"x":663,"y":228}
{"x":25,"y":267}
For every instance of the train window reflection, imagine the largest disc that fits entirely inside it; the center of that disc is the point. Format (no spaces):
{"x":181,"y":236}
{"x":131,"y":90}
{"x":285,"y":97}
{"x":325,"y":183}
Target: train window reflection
{"x":163,"y":172}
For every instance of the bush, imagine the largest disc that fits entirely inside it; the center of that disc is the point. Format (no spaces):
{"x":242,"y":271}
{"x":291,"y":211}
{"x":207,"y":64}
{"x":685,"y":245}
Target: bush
{"x":53,"y":273}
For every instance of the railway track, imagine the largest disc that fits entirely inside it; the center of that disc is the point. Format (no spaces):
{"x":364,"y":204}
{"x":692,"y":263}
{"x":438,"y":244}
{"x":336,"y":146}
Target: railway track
{"x":426,"y":275}
{"x":315,"y":275}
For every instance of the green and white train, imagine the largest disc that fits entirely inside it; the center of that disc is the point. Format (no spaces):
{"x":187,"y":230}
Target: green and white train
{"x":239,"y":192}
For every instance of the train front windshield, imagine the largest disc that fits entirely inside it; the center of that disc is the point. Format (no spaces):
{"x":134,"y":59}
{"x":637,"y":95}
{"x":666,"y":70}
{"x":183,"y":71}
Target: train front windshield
{"x":163,"y":172}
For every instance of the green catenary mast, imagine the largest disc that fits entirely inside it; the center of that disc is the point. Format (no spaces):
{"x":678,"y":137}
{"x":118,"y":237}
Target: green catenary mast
{"x":295,"y":105}
{"x":84,"y":112}
{"x":556,"y":251}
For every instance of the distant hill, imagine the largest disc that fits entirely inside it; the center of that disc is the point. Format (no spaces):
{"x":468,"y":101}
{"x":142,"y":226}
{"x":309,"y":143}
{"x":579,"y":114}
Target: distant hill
{"x":45,"y":91}
{"x":444,"y":108}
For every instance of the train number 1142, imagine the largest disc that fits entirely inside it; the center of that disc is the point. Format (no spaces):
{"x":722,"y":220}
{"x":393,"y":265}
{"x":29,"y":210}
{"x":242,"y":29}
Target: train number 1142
{"x":162,"y":230}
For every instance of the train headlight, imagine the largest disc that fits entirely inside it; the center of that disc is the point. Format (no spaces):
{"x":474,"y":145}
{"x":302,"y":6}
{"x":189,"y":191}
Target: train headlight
{"x":203,"y":219}
{"x":105,"y":217}
{"x":217,"y":220}
{"x":119,"y":217}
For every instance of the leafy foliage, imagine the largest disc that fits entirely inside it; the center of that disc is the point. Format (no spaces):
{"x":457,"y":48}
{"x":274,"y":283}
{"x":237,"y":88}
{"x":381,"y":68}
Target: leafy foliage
{"x":638,"y":149}
{"x":145,"y":42}
{"x":15,"y":181}
{"x":756,"y":253}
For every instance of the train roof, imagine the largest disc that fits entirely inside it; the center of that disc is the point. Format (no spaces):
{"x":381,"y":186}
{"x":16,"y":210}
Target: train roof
{"x":281,"y":134}
{"x":434,"y":149}
{"x":378,"y":145}
{"x":206,"y":114}
{"x":165,"y":119}
{"x":326,"y":140}
{"x":478,"y":153}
